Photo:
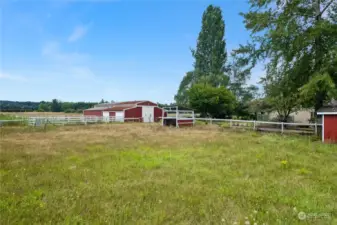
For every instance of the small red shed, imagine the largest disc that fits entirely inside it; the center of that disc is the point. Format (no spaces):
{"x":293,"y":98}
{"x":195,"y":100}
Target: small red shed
{"x":329,"y":122}
{"x":144,"y":111}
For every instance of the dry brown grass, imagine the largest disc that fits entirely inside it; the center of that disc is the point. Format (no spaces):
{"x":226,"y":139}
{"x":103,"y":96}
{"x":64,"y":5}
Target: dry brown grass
{"x":33,"y":114}
{"x":120,"y":134}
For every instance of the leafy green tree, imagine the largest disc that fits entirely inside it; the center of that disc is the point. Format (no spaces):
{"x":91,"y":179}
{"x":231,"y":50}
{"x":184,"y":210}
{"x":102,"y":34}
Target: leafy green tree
{"x":259,"y":108}
{"x":44,"y":107}
{"x":244,"y":93}
{"x":67,"y":107}
{"x":181,"y":97}
{"x":298,"y":37}
{"x":211,"y":101}
{"x":281,"y":96}
{"x":56,"y":106}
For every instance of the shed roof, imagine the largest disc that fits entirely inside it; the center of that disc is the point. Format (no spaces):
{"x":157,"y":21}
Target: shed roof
{"x":330,"y":108}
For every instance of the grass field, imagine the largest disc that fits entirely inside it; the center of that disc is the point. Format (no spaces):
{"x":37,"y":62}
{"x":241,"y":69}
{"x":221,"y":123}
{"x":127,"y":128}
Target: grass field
{"x":147,"y":174}
{"x":7,"y":116}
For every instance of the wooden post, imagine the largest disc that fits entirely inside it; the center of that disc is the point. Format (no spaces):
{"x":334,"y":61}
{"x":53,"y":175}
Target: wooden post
{"x":177,"y":117}
{"x":282,"y":129}
{"x":230,"y":123}
{"x":210,"y":121}
{"x":316,"y":130}
{"x":162,"y":116}
{"x":254,"y":125}
{"x":1,"y":134}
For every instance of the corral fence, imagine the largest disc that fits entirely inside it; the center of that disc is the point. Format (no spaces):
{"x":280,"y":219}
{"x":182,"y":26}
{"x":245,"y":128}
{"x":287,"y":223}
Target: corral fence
{"x":264,"y":126}
{"x":66,"y":120}
{"x":73,"y":120}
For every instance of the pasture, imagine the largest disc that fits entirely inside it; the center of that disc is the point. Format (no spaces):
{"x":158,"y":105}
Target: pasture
{"x":148,"y":174}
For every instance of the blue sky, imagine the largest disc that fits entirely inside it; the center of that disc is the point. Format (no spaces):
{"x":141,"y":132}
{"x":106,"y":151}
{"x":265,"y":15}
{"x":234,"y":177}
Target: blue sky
{"x":86,"y":50}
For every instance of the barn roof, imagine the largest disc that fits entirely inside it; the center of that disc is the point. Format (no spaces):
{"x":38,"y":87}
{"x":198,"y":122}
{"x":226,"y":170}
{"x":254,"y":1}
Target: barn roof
{"x":131,"y":102}
{"x":120,"y":107}
{"x":96,"y":108}
{"x":118,"y":103}
{"x":117,"y":106}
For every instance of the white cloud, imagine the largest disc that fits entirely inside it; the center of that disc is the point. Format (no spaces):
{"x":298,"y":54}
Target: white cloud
{"x":72,"y":65}
{"x":78,"y":32}
{"x":52,"y":51}
{"x":11,"y":77}
{"x":82,"y":73}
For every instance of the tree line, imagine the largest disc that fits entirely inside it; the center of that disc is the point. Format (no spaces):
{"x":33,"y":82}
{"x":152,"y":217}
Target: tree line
{"x":45,"y":106}
{"x":296,"y":40}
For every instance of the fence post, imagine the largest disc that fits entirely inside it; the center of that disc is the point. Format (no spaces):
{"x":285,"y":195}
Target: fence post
{"x":282,"y":127}
{"x":230,"y":123}
{"x":254,"y":125}
{"x":316,"y":130}
{"x":211,"y":121}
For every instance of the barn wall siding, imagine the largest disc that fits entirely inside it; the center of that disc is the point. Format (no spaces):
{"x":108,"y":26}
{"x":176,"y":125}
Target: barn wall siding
{"x":92,"y":113}
{"x":330,"y":128}
{"x":158,"y":113}
{"x":133,"y":113}
{"x":185,"y":123}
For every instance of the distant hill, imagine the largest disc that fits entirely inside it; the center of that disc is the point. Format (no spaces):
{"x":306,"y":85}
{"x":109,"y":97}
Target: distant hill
{"x":15,"y":106}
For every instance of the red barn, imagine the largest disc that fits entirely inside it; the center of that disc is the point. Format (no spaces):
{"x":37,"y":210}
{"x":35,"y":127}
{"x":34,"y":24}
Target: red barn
{"x":329,"y":122}
{"x":145,"y":111}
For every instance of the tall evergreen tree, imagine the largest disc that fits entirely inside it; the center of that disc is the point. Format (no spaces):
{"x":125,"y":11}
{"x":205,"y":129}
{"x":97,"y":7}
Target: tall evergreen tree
{"x":210,"y":54}
{"x":56,"y":106}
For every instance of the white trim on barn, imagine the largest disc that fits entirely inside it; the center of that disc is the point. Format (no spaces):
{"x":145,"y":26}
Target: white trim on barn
{"x":323,"y":128}
{"x":130,"y":108}
{"x":327,"y":113}
{"x":141,"y":103}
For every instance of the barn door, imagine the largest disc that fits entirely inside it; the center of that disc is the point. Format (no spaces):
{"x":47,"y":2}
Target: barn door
{"x":106,"y":116}
{"x":120,"y":116}
{"x":148,"y":114}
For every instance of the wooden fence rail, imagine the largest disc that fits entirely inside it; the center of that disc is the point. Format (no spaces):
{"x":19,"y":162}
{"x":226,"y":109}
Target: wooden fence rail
{"x":267,"y":126}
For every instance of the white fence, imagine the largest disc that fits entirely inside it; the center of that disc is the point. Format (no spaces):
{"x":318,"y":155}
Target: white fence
{"x":64,"y":120}
{"x":304,"y":128}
